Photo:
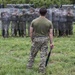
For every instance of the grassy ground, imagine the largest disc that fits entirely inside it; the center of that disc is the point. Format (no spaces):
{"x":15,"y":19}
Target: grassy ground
{"x":14,"y":54}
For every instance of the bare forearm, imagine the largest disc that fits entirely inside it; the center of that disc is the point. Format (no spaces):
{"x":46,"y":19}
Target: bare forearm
{"x":51,"y":38}
{"x":31,"y":33}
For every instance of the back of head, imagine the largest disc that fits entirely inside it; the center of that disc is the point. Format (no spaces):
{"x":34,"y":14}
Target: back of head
{"x":43,"y":11}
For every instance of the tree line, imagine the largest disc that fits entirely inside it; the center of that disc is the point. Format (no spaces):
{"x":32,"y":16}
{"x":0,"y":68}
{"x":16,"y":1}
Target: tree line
{"x":38,"y":3}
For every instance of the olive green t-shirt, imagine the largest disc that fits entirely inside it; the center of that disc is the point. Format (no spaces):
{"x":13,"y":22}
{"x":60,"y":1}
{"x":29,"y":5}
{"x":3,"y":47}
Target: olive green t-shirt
{"x":41,"y":26}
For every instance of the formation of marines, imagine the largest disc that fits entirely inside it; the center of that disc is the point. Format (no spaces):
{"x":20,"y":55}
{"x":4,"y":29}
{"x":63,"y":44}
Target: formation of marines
{"x":20,"y":21}
{"x":62,"y":20}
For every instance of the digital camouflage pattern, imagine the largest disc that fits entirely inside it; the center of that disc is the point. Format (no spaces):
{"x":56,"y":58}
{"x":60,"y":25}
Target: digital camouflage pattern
{"x":39,"y":44}
{"x":5,"y":19}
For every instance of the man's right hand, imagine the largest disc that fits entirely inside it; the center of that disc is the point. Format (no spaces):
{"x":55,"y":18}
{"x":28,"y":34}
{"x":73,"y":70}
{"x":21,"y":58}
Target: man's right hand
{"x":52,"y":46}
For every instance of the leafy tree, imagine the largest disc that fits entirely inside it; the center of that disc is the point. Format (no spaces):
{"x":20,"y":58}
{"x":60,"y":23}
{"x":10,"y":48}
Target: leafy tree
{"x":72,"y":1}
{"x":38,"y":3}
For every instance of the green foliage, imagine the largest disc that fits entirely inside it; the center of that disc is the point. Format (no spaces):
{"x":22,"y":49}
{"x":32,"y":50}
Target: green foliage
{"x":38,"y":3}
{"x":72,"y":1}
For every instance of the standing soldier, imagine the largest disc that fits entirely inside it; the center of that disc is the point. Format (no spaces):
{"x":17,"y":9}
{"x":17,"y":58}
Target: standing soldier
{"x":53,"y":17}
{"x":62,"y":22}
{"x":55,"y":21}
{"x":69,"y":25}
{"x":22,"y":24}
{"x":14,"y":24}
{"x":3,"y":31}
{"x":40,"y":30}
{"x":5,"y":18}
{"x":30,"y":18}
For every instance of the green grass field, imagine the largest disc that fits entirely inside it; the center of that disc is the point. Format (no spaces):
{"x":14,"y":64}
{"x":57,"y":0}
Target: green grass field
{"x":14,"y":54}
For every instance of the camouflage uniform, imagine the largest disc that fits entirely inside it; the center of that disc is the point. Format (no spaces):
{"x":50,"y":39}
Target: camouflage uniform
{"x":14,"y":24}
{"x":62,"y":21}
{"x":39,"y":44}
{"x":47,"y":14}
{"x":5,"y":18}
{"x":22,"y":24}
{"x":69,"y":25}
{"x":35,"y":15}
{"x":30,"y":18}
{"x":55,"y":21}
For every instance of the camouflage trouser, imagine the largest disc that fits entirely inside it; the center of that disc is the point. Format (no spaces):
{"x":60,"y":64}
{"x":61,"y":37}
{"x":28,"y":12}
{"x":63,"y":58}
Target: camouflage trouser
{"x":69,"y":28}
{"x":13,"y":25}
{"x":5,"y":30}
{"x":22,"y":29}
{"x":62,"y":28}
{"x":39,"y":44}
{"x":55,"y":28}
